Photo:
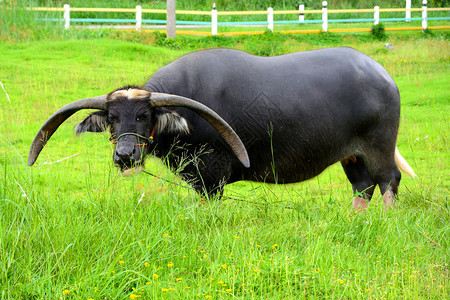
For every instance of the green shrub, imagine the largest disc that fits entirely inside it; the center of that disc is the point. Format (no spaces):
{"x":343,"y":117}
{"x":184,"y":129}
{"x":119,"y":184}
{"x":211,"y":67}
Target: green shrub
{"x":378,"y":32}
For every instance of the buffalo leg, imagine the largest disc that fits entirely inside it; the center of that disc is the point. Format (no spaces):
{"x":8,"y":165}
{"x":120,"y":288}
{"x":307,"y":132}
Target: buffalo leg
{"x":385,"y":174}
{"x":362,"y":182}
{"x":388,"y":183}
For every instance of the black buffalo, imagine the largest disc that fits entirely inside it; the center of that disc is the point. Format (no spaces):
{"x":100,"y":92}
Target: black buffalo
{"x":279,"y":119}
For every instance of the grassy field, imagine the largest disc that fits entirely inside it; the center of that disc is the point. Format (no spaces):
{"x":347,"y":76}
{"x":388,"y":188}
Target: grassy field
{"x":72,"y":228}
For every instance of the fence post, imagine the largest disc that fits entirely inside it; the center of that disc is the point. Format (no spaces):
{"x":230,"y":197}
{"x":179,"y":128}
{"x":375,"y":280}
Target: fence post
{"x":376,"y":15}
{"x":66,"y":16}
{"x":408,"y":12}
{"x":301,"y":16}
{"x":214,"y":20}
{"x":270,"y":18}
{"x":138,"y":18}
{"x":171,"y":26}
{"x":424,"y":15}
{"x":324,"y":16}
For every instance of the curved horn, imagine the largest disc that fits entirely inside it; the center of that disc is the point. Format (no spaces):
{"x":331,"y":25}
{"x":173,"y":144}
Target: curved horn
{"x":222,"y":127}
{"x":62,"y":114}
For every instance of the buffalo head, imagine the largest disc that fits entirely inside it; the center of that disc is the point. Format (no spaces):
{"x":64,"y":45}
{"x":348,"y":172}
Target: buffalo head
{"x":134,"y":115}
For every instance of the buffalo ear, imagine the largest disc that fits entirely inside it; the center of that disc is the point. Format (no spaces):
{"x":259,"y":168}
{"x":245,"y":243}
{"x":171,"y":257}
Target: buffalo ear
{"x":95,"y":122}
{"x":169,"y":121}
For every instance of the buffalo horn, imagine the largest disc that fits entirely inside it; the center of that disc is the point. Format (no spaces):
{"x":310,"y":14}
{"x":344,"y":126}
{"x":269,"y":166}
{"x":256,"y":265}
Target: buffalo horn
{"x":62,"y":114}
{"x":222,"y":127}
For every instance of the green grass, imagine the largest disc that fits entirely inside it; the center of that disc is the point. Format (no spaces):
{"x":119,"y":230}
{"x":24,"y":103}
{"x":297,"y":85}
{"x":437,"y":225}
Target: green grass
{"x":76,"y":229}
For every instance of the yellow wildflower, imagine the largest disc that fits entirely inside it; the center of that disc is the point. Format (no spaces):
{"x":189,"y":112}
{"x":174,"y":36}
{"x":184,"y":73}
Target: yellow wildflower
{"x":146,"y":264}
{"x":155,"y":276}
{"x":121,"y":262}
{"x":341,"y":281}
{"x":224,"y":266}
{"x":65,"y":292}
{"x":165,"y":290}
{"x":228,"y":290}
{"x":170,"y":264}
{"x":134,"y":296}
{"x":274,"y":246}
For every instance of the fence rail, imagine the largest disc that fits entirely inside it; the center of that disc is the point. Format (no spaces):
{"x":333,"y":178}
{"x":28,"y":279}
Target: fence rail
{"x":214,"y":23}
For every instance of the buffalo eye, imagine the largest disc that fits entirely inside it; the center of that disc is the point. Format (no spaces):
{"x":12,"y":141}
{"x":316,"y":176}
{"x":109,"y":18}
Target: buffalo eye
{"x":143,"y":117}
{"x":113,"y":118}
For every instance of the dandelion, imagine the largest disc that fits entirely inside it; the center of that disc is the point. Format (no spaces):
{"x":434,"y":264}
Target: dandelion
{"x":146,"y":264}
{"x":259,"y":246}
{"x":134,"y":296}
{"x":179,"y":279}
{"x":149,"y":282}
{"x":155,"y":276}
{"x":368,"y":290}
{"x":165,"y":290}
{"x":236,"y":236}
{"x":257,"y":270}
{"x":121,"y":262}
{"x":208,"y":296}
{"x":170,"y":264}
{"x":65,"y":292}
{"x":171,"y":289}
{"x":274,"y":246}
{"x":224,"y":266}
{"x":187,"y":287}
{"x":228,"y":290}
{"x":341,"y":281}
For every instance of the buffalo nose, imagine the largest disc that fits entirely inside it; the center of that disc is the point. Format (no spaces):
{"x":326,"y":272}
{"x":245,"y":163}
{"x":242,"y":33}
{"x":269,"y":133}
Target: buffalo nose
{"x":126,"y":151}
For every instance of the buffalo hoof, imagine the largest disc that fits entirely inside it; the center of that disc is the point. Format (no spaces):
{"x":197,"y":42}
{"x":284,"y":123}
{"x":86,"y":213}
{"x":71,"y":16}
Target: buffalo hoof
{"x":360,"y":204}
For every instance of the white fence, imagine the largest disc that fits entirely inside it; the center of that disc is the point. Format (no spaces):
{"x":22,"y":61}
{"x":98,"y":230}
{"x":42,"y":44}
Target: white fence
{"x":215,"y":14}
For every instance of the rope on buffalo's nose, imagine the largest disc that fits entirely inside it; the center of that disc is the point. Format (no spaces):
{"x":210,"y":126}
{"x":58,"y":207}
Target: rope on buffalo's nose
{"x":149,"y":139}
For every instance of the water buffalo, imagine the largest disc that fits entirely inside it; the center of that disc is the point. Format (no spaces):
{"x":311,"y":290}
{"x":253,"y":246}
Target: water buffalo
{"x":226,"y":115}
